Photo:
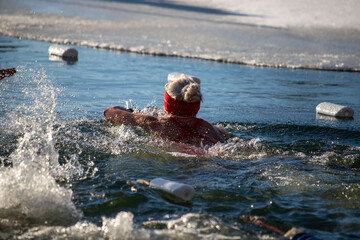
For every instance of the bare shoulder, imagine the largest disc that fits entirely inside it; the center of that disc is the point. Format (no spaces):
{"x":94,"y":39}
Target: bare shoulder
{"x":215,"y":131}
{"x":148,"y":122}
{"x":145,"y":118}
{"x":208,"y":126}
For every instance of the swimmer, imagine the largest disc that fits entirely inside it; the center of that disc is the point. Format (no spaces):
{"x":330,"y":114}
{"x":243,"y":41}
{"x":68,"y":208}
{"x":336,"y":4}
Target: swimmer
{"x":182,"y":99}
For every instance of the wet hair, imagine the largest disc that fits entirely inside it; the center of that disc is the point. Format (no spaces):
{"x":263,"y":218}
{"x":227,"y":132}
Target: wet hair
{"x":185,"y":88}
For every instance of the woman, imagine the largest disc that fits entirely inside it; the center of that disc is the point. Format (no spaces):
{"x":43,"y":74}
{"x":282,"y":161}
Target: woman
{"x":182,"y":99}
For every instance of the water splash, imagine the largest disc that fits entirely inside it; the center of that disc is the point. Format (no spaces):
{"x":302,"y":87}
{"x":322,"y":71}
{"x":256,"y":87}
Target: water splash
{"x":120,"y":227}
{"x":29,"y":189}
{"x":239,"y":149}
{"x":194,"y":226}
{"x":35,"y":121}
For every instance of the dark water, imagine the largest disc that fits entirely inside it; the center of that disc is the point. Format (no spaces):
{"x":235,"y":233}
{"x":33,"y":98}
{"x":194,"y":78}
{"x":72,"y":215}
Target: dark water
{"x":283,"y":163}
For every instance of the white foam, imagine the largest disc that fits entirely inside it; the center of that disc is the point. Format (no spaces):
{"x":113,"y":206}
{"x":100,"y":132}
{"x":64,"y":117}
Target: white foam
{"x":239,"y":149}
{"x":30,"y":193}
{"x":189,"y":225}
{"x":120,"y":227}
{"x":81,"y":230}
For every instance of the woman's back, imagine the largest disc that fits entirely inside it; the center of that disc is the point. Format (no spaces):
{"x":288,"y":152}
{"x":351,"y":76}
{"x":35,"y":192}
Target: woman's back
{"x":193,"y":131}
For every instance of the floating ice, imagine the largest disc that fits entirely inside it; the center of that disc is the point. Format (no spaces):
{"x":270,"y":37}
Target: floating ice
{"x":179,"y":190}
{"x":63,"y":51}
{"x":334,"y":110}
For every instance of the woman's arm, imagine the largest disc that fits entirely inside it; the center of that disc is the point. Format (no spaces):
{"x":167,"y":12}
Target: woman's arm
{"x":120,"y":116}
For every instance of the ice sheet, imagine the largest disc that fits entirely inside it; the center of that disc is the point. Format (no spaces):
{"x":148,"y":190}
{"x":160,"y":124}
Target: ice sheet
{"x":321,"y":35}
{"x":290,"y":14}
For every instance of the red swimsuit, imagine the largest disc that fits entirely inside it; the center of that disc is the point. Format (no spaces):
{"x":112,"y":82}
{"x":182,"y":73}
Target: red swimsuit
{"x":188,"y":133}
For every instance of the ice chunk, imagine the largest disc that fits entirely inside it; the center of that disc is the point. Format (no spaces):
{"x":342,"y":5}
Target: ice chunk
{"x":63,"y":51}
{"x":334,"y":110}
{"x":182,"y":191}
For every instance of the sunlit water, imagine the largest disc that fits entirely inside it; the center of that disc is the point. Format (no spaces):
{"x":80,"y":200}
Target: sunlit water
{"x":69,"y":167}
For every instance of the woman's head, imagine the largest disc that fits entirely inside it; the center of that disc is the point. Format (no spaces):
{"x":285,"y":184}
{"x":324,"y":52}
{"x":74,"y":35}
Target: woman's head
{"x":182,"y":96}
{"x":185,"y":88}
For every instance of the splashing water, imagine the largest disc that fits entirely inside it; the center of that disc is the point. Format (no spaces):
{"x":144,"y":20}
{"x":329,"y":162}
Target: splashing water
{"x":29,"y":190}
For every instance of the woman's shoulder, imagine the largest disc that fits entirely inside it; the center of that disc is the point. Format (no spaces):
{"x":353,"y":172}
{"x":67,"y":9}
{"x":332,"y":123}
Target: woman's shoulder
{"x":219,"y":132}
{"x":204,"y":123}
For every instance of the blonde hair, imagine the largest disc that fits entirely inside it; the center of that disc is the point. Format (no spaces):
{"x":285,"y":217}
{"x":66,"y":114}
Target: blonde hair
{"x":185,"y":88}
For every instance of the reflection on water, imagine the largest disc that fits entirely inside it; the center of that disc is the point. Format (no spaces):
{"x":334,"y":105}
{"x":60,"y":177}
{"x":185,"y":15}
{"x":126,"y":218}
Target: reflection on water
{"x":69,"y":61}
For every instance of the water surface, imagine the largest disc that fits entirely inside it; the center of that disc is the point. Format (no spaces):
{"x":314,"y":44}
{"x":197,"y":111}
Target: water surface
{"x":283,"y":163}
